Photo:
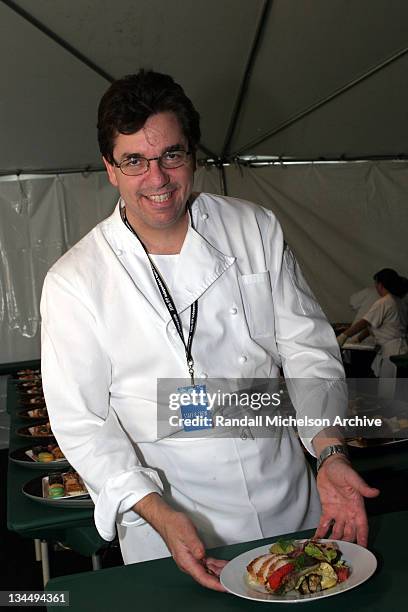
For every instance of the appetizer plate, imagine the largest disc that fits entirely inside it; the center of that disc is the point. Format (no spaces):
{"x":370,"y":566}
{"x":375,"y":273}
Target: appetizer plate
{"x":34,"y":490}
{"x":25,"y":397}
{"x":24,"y":414}
{"x":39,"y":402}
{"x":20,"y":457}
{"x":25,"y":432}
{"x":361,"y":561}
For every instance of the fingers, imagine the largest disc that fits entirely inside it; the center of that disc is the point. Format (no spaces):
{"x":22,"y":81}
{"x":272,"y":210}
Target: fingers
{"x":215,"y":565}
{"x":201,"y":575}
{"x":189,"y":554}
{"x":361,"y":524}
{"x":349,"y":533}
{"x":323,"y":527}
{"x":338,"y":529}
{"x":360,"y":485}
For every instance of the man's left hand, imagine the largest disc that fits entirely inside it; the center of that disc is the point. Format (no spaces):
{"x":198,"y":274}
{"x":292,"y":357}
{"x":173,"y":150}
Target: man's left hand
{"x":342,"y":493}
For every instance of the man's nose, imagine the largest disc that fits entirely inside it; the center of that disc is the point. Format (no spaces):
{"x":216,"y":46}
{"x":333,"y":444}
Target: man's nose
{"x":156,"y":175}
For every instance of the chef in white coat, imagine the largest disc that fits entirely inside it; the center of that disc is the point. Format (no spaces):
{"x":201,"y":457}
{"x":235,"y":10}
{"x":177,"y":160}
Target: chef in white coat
{"x":386,"y":320}
{"x":175,"y":284}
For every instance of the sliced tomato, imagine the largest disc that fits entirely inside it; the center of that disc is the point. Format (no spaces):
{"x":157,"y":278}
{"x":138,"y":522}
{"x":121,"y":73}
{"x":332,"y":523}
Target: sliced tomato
{"x":342,"y":573}
{"x":275,"y":579}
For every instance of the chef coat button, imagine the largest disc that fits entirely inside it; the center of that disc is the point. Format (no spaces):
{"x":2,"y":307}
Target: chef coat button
{"x":203,"y":375}
{"x":118,"y":252}
{"x":233,"y":310}
{"x":243,"y":359}
{"x":204,"y":216}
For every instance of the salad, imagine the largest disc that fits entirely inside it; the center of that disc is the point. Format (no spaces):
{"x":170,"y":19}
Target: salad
{"x":308,"y":567}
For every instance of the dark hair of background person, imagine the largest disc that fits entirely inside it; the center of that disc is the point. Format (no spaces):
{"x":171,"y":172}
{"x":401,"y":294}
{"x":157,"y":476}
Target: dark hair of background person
{"x":131,"y":100}
{"x":392,"y":281}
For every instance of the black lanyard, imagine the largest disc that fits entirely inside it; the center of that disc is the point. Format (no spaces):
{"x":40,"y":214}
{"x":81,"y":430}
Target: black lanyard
{"x":168,"y":300}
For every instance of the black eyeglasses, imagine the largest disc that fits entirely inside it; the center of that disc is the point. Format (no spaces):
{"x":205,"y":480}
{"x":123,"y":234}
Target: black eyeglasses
{"x":136,"y":164}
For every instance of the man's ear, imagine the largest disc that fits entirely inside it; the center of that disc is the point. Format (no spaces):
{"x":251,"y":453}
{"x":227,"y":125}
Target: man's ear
{"x":111,"y":172}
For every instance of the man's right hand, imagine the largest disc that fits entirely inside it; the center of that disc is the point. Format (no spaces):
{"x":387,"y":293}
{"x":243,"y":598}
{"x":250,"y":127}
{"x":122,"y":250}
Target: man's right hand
{"x":181,"y":537}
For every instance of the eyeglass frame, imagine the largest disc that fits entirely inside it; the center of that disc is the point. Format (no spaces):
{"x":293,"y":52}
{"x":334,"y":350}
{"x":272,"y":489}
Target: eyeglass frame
{"x":149,"y":159}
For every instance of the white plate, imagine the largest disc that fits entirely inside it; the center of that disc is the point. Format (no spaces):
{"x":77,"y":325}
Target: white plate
{"x":34,"y":490}
{"x":361,"y":561}
{"x":353,"y":346}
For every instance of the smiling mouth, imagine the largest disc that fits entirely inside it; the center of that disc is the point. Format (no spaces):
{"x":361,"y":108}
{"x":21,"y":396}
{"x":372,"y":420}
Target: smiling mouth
{"x":159,"y":198}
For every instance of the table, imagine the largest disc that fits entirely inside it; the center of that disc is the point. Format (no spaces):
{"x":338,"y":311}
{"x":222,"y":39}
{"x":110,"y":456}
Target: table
{"x":75,"y":527}
{"x":160,"y":586}
{"x":401,"y":361}
{"x":357,"y":359}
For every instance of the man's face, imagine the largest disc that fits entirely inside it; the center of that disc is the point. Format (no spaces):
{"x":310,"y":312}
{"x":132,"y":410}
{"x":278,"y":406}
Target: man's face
{"x":157,"y":198}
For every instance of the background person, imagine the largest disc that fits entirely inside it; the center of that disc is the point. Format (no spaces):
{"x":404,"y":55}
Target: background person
{"x":386,"y":319}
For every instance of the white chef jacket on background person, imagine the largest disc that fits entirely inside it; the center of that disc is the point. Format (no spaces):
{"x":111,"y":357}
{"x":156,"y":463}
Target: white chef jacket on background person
{"x":361,"y":302}
{"x":388,"y":320}
{"x":107,"y":337}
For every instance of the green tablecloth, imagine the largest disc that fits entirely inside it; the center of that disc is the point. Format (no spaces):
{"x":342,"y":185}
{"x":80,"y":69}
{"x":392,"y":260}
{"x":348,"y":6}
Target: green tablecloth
{"x":75,"y":527}
{"x":159,"y":586}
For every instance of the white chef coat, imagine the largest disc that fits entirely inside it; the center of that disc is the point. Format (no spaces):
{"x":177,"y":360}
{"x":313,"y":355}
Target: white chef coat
{"x":388,"y":319}
{"x":361,"y":302}
{"x":107,"y":337}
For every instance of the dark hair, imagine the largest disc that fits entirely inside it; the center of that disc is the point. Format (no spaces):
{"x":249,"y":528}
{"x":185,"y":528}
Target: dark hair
{"x":392,"y":281}
{"x":130,"y":101}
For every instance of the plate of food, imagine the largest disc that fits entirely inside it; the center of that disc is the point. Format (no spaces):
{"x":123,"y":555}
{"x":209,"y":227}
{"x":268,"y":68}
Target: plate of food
{"x":296,"y":571}
{"x":36,"y":412}
{"x":27,"y":393}
{"x":37,"y":430}
{"x":62,"y":489}
{"x":48,"y":456}
{"x":33,"y":402}
{"x":28,"y":374}
{"x":29,"y":384}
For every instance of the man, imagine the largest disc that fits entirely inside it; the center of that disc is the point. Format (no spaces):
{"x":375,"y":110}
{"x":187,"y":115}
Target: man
{"x":110,"y":331}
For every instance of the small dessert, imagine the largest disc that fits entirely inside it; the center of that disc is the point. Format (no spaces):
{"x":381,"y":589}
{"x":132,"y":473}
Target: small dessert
{"x":55,"y":486}
{"x":73,"y":484}
{"x":56,"y":451}
{"x":45,"y":457}
{"x":38,"y":413}
{"x":41,"y":430}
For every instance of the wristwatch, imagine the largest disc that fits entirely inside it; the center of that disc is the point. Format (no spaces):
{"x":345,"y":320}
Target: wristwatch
{"x":329,"y":451}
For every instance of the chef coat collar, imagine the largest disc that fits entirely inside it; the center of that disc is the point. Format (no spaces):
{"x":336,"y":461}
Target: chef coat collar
{"x":199,"y":264}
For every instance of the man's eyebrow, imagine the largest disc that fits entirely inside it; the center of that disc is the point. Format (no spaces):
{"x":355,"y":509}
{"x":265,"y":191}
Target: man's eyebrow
{"x":127,"y":155}
{"x":175,"y":147}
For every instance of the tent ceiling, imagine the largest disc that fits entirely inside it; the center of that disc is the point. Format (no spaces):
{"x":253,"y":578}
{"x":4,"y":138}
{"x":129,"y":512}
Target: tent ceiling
{"x":308,"y":50}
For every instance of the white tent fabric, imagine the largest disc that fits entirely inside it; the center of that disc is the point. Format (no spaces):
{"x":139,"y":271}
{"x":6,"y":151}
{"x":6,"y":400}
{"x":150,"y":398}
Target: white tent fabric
{"x":251,"y":68}
{"x":305,"y":79}
{"x":344,"y":222}
{"x":40,"y":218}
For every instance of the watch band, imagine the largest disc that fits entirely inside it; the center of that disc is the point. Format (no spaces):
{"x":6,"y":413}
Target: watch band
{"x":327,"y":452}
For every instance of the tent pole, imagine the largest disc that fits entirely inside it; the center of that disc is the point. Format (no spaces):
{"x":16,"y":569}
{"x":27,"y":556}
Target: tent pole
{"x":260,"y":27}
{"x":321,"y":102}
{"x":57,"y":39}
{"x":223,"y":179}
